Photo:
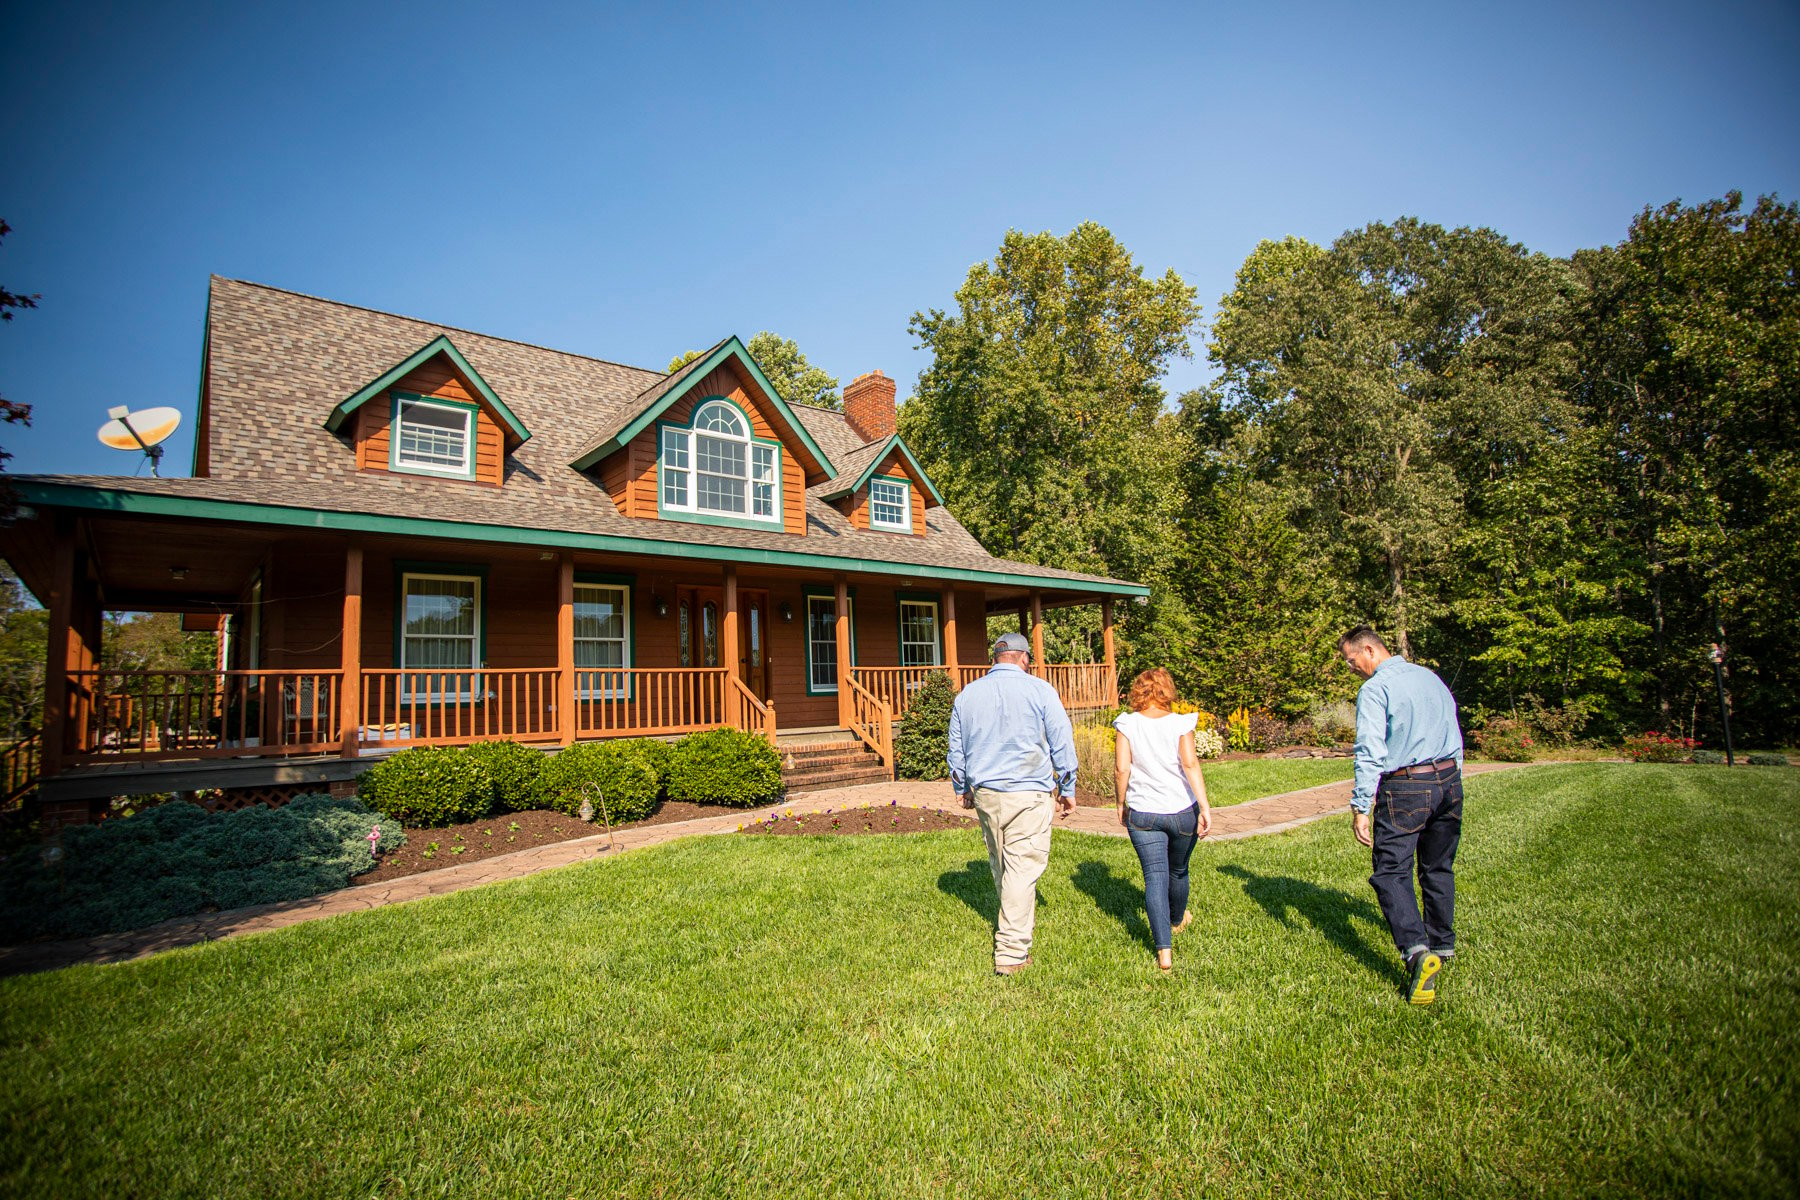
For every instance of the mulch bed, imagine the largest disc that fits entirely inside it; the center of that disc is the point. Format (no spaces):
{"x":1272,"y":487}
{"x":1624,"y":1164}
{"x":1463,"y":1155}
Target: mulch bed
{"x":850,"y":822}
{"x":504,"y":833}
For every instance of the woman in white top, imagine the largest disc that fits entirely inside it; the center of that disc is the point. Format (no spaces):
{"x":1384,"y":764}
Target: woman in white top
{"x":1162,"y":801}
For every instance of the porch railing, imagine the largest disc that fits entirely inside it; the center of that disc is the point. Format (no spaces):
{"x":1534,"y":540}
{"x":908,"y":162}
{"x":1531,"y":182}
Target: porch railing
{"x":872,"y":720}
{"x":649,"y":700}
{"x":751,"y":714}
{"x":896,"y":685}
{"x":19,"y":766}
{"x":152,"y":715}
{"x":449,"y":708}
{"x":1082,"y":685}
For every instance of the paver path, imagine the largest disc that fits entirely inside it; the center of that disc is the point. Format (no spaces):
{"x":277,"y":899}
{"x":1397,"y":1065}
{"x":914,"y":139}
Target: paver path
{"x":1270,"y":814}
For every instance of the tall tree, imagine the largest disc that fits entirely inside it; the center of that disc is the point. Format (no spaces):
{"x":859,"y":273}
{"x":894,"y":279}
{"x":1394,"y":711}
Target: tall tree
{"x":798,"y":381}
{"x":1041,"y":417}
{"x":11,"y":412}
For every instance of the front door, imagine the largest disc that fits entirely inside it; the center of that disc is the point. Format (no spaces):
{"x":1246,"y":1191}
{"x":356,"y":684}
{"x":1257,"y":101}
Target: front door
{"x":700,"y":620}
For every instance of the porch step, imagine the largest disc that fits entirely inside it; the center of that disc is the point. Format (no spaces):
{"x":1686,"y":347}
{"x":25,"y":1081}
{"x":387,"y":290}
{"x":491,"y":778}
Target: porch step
{"x":799,"y":785}
{"x":814,"y":766}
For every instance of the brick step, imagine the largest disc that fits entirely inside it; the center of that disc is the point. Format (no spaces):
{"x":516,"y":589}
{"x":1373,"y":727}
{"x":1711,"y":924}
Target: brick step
{"x":821,"y":749}
{"x":835,"y":762}
{"x":797,"y":784}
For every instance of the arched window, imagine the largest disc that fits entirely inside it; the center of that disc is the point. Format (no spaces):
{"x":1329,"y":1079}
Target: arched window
{"x":715,"y":466}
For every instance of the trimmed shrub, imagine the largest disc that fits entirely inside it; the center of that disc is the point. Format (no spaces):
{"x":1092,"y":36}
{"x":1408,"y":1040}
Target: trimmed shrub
{"x":431,"y":785}
{"x":623,"y":771}
{"x":1764,"y":760}
{"x":1709,"y":758}
{"x":922,"y":742}
{"x":658,"y":754}
{"x":517,"y":772}
{"x":1657,"y":747}
{"x":725,"y":766}
{"x":175,"y":859}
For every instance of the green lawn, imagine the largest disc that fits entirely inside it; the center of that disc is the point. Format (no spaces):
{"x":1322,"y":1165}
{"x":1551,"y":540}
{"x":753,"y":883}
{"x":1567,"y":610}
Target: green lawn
{"x":1248,"y":778}
{"x":796,"y":1016}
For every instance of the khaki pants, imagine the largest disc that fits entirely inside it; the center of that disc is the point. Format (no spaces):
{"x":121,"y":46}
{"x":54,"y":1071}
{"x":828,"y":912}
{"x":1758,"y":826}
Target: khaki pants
{"x":1016,"y":827}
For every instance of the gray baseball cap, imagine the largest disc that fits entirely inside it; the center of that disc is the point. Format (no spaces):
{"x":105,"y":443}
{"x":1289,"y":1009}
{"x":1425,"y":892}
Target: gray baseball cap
{"x":1011,"y":641}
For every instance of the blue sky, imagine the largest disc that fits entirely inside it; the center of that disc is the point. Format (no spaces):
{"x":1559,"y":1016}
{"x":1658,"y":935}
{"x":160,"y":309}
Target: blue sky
{"x":633,"y":182}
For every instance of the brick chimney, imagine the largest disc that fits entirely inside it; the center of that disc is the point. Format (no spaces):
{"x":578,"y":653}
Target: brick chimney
{"x":869,"y":404}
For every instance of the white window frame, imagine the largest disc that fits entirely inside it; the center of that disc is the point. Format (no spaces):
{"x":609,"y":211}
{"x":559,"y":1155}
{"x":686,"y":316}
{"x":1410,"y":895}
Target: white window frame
{"x":472,"y":674}
{"x":464,"y":470}
{"x":685,"y":439}
{"x":813,"y":687}
{"x":623,"y":690}
{"x":904,"y":525}
{"x":937,"y":633}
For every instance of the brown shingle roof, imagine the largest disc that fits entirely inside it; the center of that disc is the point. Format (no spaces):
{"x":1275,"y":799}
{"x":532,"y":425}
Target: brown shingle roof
{"x":280,"y":361}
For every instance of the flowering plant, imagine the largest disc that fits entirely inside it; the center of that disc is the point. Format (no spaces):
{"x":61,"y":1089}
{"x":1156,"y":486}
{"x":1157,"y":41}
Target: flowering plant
{"x":1659,"y":747}
{"x":1208,"y":743}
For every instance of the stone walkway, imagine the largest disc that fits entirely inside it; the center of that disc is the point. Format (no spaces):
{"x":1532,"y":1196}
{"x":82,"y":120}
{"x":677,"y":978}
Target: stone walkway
{"x":1270,"y":814}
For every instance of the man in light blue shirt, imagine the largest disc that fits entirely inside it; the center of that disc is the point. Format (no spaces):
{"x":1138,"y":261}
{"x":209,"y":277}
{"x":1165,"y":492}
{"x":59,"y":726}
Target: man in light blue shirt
{"x":1407,"y":800}
{"x":1012,"y":760}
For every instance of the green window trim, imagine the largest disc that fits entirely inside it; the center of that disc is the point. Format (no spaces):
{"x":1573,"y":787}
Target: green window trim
{"x":906,"y":508}
{"x":473,"y":434}
{"x":936,"y":600}
{"x":476,"y":571}
{"x":693,"y":513}
{"x":807,"y":594}
{"x":629,"y":583}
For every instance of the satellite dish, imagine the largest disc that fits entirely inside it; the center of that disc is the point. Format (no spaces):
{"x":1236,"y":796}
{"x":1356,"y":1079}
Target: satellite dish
{"x":143,"y":430}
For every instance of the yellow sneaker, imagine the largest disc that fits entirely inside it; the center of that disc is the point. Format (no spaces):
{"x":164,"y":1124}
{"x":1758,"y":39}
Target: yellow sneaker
{"x":1425,"y":966}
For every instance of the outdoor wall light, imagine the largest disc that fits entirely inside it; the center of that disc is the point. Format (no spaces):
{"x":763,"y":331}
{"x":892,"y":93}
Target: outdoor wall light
{"x":178,"y":572}
{"x":787,"y":612}
{"x":660,"y":605}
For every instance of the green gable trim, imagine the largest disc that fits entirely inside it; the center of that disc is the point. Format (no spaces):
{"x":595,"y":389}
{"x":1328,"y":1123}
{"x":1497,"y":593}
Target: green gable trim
{"x":731,"y":348}
{"x":892,"y":444}
{"x":110,"y":500}
{"x":394,"y":374}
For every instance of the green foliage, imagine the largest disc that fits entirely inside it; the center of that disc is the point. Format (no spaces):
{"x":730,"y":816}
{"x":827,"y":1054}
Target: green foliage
{"x":430,"y":785}
{"x":625,"y":772}
{"x":1762,"y":760}
{"x":1505,"y":739}
{"x":1654,"y":747}
{"x":1709,"y":758}
{"x":725,"y":766}
{"x":516,"y":771}
{"x":1095,"y":762}
{"x":798,"y":381}
{"x":23,"y":633}
{"x":176,"y":859}
{"x":921,"y":742}
{"x":658,"y":754}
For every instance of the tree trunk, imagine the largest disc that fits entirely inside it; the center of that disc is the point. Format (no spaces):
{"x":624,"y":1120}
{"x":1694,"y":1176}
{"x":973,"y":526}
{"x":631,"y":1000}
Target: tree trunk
{"x":1397,"y":579}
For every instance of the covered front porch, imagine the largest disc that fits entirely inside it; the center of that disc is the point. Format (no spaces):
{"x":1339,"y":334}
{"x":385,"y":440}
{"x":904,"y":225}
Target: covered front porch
{"x":335,"y":647}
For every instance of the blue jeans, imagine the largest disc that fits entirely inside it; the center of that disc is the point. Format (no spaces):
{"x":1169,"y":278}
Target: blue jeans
{"x":1418,"y":819}
{"x":1164,"y":842}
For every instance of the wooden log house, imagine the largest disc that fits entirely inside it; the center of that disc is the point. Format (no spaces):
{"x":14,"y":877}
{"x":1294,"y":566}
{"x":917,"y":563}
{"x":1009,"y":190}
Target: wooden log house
{"x":413,"y":535}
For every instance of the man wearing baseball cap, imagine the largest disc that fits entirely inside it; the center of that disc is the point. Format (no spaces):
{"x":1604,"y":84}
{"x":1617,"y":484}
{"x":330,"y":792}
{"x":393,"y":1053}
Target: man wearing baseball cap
{"x":1012,"y":760}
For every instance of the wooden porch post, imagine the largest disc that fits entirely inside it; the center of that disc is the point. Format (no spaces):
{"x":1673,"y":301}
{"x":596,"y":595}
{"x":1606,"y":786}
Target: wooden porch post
{"x":845,"y":709}
{"x":350,"y":694}
{"x":950,"y":664}
{"x":565,"y":648}
{"x":733,"y":643}
{"x":1106,"y":641}
{"x":59,"y":647}
{"x":1037,"y":630}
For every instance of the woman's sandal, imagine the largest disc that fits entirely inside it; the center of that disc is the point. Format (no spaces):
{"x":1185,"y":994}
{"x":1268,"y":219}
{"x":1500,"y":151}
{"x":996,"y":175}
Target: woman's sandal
{"x":1187,"y":919}
{"x":1165,"y":967}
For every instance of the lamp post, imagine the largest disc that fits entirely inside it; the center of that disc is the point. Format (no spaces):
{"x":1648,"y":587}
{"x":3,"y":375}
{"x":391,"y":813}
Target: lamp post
{"x":1717,"y":657}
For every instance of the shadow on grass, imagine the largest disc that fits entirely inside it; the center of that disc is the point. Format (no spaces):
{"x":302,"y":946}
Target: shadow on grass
{"x":1325,"y":909}
{"x":1121,"y":899}
{"x":974,"y":886}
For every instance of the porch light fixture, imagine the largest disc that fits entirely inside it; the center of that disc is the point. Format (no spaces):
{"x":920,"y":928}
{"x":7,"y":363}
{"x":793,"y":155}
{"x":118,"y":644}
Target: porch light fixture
{"x":660,"y":605}
{"x":787,"y":612}
{"x":178,"y":572}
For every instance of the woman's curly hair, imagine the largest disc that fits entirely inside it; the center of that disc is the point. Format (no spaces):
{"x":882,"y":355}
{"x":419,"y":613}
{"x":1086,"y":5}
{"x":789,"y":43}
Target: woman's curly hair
{"x":1155,"y":686}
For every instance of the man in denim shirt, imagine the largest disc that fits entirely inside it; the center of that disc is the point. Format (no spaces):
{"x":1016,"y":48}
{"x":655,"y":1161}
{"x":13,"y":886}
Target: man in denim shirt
{"x":1409,"y":753}
{"x":1012,"y":760}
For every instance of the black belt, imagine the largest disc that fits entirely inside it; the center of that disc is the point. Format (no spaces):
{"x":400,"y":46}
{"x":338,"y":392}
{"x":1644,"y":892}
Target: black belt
{"x":1429,"y":768}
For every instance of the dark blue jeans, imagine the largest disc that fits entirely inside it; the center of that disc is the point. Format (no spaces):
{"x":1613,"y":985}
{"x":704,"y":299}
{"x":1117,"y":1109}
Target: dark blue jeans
{"x":1418,"y":817}
{"x":1164,"y":842}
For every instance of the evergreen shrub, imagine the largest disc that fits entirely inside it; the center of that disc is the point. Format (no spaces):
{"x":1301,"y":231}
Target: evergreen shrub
{"x":429,"y":785}
{"x":658,"y":754}
{"x":1709,"y":758}
{"x":517,"y":772}
{"x":1765,"y":760}
{"x":176,"y":858}
{"x":623,"y":771}
{"x":921,"y":743}
{"x":725,"y":766}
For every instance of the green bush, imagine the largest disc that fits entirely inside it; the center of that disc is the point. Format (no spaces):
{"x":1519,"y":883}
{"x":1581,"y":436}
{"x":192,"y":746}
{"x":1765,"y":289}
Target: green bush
{"x":1709,"y":758}
{"x":623,"y":771}
{"x":175,"y":859}
{"x":1505,"y":739}
{"x":921,"y":743}
{"x":517,"y":772}
{"x":1765,"y":760}
{"x":437,"y":785}
{"x":725,"y":766}
{"x":658,"y":754}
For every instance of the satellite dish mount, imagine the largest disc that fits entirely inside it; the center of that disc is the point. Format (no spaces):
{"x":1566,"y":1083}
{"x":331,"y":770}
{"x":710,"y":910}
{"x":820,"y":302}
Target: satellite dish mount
{"x":143,"y":430}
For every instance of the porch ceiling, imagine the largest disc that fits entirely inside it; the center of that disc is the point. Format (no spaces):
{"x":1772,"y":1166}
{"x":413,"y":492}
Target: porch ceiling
{"x":136,"y":563}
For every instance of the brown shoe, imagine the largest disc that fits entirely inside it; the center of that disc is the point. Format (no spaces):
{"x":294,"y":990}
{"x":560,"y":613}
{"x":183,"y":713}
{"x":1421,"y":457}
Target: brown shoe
{"x":1012,"y":968}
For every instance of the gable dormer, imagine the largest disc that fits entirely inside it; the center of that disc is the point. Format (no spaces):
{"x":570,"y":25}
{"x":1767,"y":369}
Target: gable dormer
{"x":430,"y":414}
{"x":884,"y":489}
{"x":714,"y":443}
